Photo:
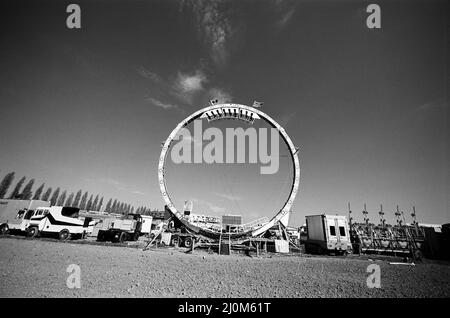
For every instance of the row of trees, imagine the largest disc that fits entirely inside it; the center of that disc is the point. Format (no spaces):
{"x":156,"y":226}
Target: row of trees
{"x":62,"y":198}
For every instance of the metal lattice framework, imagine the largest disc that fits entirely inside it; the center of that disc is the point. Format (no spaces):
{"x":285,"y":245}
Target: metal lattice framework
{"x":217,"y":112}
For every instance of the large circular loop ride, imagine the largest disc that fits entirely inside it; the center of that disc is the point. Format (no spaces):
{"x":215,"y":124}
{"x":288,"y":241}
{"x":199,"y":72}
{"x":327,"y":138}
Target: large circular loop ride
{"x":234,"y":111}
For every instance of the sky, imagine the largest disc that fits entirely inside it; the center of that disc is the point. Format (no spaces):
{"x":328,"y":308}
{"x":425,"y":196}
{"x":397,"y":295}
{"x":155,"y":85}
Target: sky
{"x":88,"y":108}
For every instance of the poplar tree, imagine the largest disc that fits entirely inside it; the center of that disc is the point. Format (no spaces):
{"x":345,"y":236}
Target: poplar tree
{"x":38,"y":192}
{"x":114,"y":206}
{"x":100,"y":204}
{"x":89,"y":204}
{"x":108,"y":206}
{"x":69,"y":200}
{"x":62,"y":199}
{"x":46,"y":195}
{"x":15,"y":193}
{"x":76,"y":201}
{"x":83,"y":201}
{"x":6,"y":183}
{"x":95,"y":204}
{"x":55,"y":196}
{"x":26,"y":192}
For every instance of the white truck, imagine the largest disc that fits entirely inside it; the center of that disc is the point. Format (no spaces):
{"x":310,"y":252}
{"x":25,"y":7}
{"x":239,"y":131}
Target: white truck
{"x":61,"y":221}
{"x":327,"y":234}
{"x":15,"y":215}
{"x":126,"y":228}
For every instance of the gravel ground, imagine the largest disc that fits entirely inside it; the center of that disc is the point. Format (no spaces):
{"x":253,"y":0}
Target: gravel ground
{"x":37,"y":268}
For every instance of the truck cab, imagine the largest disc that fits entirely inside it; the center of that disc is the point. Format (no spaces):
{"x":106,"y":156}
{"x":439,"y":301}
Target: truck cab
{"x":126,"y":228}
{"x":15,"y":215}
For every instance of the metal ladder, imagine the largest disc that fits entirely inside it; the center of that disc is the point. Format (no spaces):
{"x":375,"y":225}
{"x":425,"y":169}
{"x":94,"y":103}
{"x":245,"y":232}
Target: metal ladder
{"x":220,"y":242}
{"x":163,"y":228}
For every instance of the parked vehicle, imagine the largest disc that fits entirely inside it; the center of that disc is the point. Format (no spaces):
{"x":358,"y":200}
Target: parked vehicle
{"x":327,"y":233}
{"x":57,"y":220}
{"x":15,"y":215}
{"x":127,"y":228}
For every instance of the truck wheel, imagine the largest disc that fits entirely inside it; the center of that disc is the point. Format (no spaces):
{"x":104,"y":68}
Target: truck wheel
{"x":100,"y":236}
{"x":32,"y":231}
{"x":307,"y":248}
{"x":64,"y":235}
{"x":122,"y":237}
{"x":188,"y":242}
{"x":4,"y":229}
{"x":174,"y":241}
{"x":136,"y":236}
{"x":115,"y":237}
{"x":418,"y":255}
{"x":320,"y":250}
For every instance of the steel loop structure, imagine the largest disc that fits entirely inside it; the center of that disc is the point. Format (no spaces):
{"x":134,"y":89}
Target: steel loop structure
{"x":230,"y":111}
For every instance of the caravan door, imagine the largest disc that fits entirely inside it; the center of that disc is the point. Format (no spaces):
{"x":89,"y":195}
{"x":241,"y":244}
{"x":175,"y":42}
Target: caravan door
{"x":331,"y":230}
{"x":146,"y":224}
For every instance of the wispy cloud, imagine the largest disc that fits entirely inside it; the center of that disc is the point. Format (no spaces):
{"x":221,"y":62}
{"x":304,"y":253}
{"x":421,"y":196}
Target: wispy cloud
{"x":142,"y":71}
{"x":118,"y":185}
{"x":285,"y":10}
{"x":186,"y":85}
{"x":431,"y":105}
{"x":138,"y":192}
{"x":85,"y":60}
{"x":227,"y":197}
{"x":285,"y":18}
{"x":214,"y":27}
{"x":161,"y":104}
{"x":217,"y":209}
{"x":183,"y":89}
{"x":212,"y":207}
{"x":222,"y":95}
{"x":285,"y":118}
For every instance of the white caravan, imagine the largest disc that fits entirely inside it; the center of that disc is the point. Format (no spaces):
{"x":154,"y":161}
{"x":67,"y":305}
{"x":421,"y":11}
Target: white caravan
{"x":328,"y":233}
{"x":62,"y":221}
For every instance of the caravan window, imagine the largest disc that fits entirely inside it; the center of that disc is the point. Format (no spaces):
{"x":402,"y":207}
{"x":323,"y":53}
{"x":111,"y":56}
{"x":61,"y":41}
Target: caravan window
{"x":342,"y":231}
{"x":20,"y":214}
{"x":29,"y":214}
{"x":332,"y":231}
{"x":70,"y":212}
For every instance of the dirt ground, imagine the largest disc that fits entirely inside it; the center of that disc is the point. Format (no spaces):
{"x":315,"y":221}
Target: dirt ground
{"x":38,"y":268}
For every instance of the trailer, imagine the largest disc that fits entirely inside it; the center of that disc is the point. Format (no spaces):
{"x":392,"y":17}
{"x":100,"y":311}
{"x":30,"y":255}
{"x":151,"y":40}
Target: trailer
{"x":127,"y":228}
{"x":15,"y":215}
{"x":179,"y":239}
{"x":327,"y":234}
{"x":401,"y":239}
{"x":64,"y":222}
{"x":388,"y":239}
